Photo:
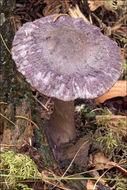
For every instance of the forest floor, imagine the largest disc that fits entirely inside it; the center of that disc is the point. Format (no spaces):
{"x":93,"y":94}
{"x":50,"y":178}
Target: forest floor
{"x":103,"y":161}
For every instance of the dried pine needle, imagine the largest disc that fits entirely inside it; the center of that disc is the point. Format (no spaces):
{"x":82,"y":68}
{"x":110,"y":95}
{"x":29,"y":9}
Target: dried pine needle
{"x":4,"y":43}
{"x":57,"y":16}
{"x":7,"y":119}
{"x":22,"y":117}
{"x":7,"y":145}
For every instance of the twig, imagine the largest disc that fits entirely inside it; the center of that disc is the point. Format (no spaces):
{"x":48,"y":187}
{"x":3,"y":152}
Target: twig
{"x":57,"y":16}
{"x":74,"y":158}
{"x":7,"y":119}
{"x":13,"y":22}
{"x":2,"y":103}
{"x":7,"y":145}
{"x":102,"y":25}
{"x":101,"y":177}
{"x":22,"y":117}
{"x":46,"y":104}
{"x":4,"y":43}
{"x":122,"y":18}
{"x":71,"y":162}
{"x":76,"y":13}
{"x":41,"y":103}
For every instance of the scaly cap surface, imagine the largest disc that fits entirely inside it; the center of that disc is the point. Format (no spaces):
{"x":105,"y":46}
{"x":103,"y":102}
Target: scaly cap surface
{"x":66,"y":59}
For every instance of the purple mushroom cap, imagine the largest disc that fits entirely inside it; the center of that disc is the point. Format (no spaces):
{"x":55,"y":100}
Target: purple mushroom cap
{"x":66,"y":59}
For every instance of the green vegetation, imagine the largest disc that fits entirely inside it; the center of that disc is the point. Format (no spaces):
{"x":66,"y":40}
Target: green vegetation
{"x":124,"y":40}
{"x":17,"y":165}
{"x":21,"y":186}
{"x":105,"y":133}
{"x":108,"y":139}
{"x":121,"y":185}
{"x":108,"y":136}
{"x":88,"y":115}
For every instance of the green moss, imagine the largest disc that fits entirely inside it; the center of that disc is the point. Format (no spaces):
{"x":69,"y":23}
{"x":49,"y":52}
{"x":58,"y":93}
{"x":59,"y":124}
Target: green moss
{"x":21,"y":186}
{"x":88,"y":115}
{"x":108,"y":139}
{"x":121,"y":186}
{"x":17,"y":165}
{"x":103,"y":121}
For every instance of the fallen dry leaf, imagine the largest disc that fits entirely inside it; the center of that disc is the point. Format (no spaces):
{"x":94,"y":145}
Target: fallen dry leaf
{"x":93,"y":5}
{"x":75,"y":12}
{"x":108,"y":5}
{"x":90,"y":185}
{"x":101,"y":162}
{"x":118,"y":90}
{"x":82,"y":156}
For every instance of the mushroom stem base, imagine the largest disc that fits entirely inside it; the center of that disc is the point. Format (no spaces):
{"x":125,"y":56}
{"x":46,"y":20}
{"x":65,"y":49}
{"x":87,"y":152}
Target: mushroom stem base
{"x":60,"y":128}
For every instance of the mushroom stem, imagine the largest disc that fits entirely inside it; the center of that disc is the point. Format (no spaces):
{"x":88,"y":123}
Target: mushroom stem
{"x":60,"y":128}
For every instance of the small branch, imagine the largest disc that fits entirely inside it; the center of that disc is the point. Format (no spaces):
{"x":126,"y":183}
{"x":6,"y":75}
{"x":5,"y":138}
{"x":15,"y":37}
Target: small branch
{"x":22,"y":117}
{"x":7,"y":119}
{"x":4,"y":43}
{"x":76,"y":13}
{"x":41,"y":103}
{"x":101,"y":177}
{"x":71,"y":162}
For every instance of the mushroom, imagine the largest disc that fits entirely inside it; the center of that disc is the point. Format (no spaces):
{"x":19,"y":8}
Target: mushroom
{"x":66,"y":59}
